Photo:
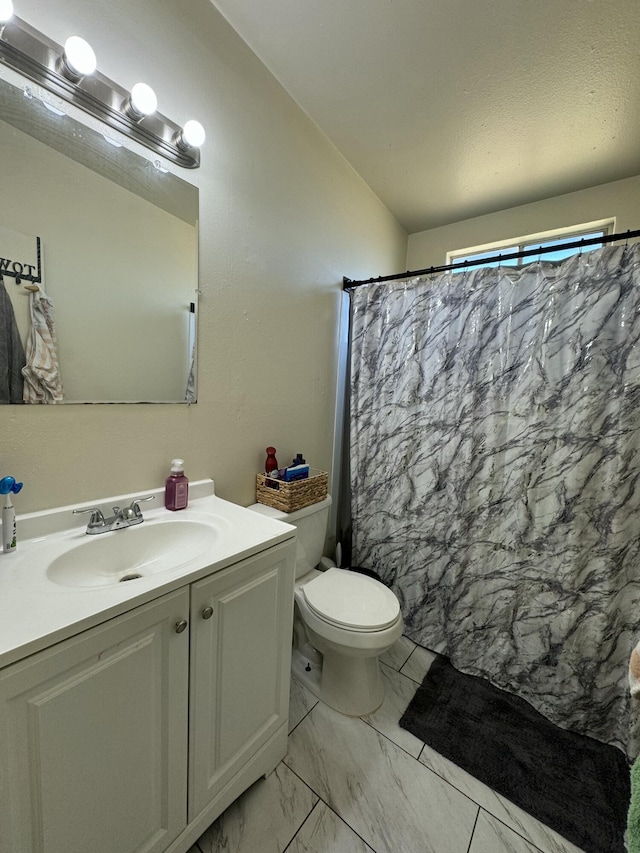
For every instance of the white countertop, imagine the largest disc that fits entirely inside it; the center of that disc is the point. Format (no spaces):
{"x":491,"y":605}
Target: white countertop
{"x":35,"y":612}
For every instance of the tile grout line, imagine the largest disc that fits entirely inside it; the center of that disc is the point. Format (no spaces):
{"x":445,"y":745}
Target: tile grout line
{"x":516,"y":832}
{"x":322,"y":800}
{"x":475,"y":823}
{"x":306,"y":714}
{"x":311,"y":811}
{"x":400,"y":672}
{"x":406,"y":660}
{"x":298,"y":776}
{"x":355,"y":832}
{"x":417,"y":683}
{"x":391,"y":740}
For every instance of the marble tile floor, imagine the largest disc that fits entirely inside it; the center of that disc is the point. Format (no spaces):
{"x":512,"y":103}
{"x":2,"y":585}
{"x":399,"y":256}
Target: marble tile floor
{"x":364,"y":785}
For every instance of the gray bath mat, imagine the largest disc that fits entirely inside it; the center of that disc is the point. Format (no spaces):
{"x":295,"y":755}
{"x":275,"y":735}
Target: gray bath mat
{"x":573,"y":784}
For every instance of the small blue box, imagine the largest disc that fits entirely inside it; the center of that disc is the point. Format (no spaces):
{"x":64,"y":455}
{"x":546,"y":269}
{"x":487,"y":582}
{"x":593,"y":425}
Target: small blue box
{"x":296,"y":472}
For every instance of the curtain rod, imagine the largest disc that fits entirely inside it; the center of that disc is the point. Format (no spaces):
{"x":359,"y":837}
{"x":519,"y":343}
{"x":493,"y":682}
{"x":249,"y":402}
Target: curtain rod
{"x":348,"y":283}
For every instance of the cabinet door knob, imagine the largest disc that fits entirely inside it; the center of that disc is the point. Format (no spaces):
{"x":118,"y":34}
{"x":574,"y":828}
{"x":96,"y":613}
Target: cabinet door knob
{"x":180,"y":626}
{"x":207,"y":613}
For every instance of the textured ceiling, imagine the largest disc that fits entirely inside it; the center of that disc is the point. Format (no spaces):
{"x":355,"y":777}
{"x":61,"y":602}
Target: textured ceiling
{"x":450,"y":109}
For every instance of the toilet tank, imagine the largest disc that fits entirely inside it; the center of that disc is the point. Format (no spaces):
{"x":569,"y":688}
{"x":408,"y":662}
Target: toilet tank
{"x":311,"y":524}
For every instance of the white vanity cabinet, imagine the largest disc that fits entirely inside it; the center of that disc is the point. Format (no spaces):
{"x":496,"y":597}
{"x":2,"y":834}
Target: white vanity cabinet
{"x":93,"y":736}
{"x":241,"y":623}
{"x":132,"y":736}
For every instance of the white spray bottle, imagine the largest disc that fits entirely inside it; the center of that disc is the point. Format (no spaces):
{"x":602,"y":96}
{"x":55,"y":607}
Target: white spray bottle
{"x":9,"y":537}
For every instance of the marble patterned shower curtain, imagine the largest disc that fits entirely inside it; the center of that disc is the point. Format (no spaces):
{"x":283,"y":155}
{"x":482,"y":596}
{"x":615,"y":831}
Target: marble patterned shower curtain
{"x":495,"y":467}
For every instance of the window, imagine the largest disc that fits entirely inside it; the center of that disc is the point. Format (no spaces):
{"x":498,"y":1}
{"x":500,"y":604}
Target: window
{"x":559,"y":238}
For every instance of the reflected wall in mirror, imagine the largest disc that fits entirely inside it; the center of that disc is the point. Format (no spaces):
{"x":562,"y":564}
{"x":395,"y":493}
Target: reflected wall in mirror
{"x":119,"y":240}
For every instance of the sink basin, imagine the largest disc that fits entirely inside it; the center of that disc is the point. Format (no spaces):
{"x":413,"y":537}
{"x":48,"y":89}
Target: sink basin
{"x":135,"y":552}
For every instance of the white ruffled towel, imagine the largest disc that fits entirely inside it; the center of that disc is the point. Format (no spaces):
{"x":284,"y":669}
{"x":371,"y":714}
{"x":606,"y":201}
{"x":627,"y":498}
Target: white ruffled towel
{"x":633,"y":817}
{"x":42,"y":381}
{"x":633,"y":749}
{"x":634,"y":671}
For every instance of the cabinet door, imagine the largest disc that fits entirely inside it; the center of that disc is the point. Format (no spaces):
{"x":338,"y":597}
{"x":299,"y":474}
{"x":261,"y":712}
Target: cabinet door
{"x":93,"y":738}
{"x":240,"y":667}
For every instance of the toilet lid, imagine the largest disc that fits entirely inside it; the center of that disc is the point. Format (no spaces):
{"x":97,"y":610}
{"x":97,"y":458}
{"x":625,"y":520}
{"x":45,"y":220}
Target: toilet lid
{"x":351,"y":600}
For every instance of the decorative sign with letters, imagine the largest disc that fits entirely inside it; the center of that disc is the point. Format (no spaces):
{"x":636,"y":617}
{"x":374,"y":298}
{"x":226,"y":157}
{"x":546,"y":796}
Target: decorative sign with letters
{"x":20,"y":256}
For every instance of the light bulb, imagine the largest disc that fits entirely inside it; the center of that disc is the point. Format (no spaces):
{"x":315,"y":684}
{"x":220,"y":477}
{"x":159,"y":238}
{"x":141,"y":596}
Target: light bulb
{"x":143,"y":100}
{"x":193,"y":134}
{"x":79,"y":58}
{"x":6,"y":11}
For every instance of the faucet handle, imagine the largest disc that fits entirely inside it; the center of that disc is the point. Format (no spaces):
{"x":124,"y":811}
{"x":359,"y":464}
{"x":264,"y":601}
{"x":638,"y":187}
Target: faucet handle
{"x":97,"y":518}
{"x":135,"y":504}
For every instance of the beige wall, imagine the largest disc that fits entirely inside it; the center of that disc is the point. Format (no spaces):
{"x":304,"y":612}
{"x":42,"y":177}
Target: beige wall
{"x":283,"y":218}
{"x":620,"y":199}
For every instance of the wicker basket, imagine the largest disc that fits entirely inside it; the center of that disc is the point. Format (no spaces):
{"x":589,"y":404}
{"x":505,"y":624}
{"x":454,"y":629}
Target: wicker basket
{"x":288,"y":497}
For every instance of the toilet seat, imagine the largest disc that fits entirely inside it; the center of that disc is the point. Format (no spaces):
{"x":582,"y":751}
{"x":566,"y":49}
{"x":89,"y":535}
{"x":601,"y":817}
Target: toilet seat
{"x":351,"y":601}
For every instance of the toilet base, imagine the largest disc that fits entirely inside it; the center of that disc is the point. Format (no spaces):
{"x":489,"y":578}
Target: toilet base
{"x":352,"y":686}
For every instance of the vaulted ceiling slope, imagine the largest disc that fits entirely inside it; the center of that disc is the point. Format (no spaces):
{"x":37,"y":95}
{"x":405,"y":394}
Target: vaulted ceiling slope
{"x":450,"y":109}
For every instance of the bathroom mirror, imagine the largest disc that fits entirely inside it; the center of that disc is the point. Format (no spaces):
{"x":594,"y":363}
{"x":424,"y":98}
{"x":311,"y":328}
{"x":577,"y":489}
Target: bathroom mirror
{"x":118,"y":237}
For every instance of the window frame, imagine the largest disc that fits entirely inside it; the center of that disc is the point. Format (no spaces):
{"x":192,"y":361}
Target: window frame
{"x":531,"y":241}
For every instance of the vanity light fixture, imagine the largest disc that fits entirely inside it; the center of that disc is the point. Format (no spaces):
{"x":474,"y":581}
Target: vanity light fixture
{"x":71,"y":73}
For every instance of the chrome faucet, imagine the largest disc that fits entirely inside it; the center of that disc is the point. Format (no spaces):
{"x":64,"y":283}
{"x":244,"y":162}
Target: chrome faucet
{"x":121,"y":518}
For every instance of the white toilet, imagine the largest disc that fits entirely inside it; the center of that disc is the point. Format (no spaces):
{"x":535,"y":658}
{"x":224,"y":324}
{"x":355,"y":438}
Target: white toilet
{"x":343,"y":620}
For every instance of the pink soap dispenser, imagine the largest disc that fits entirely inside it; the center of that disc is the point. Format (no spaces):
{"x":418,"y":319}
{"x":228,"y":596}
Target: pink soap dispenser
{"x":176,"y":487}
